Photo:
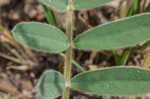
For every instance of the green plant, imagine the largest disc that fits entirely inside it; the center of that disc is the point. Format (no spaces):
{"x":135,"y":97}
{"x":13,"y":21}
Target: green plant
{"x":127,"y":32}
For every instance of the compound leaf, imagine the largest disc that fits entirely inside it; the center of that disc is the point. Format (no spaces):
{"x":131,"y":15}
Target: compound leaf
{"x":51,"y":84}
{"x":122,"y":33}
{"x":40,"y":36}
{"x":119,"y":81}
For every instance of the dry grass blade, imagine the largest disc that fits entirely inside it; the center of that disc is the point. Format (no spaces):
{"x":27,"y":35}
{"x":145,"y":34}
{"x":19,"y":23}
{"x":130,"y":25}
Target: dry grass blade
{"x":22,"y":54}
{"x":28,"y":54}
{"x":21,"y":68}
{"x":12,"y":59}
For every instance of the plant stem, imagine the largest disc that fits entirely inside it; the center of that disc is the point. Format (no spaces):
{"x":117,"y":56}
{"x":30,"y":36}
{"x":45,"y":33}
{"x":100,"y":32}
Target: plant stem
{"x":49,"y":14}
{"x":78,"y":66}
{"x":68,"y":59}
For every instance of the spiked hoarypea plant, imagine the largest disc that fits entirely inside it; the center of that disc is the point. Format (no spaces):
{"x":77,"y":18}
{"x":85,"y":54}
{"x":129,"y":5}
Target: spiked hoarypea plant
{"x":120,"y":81}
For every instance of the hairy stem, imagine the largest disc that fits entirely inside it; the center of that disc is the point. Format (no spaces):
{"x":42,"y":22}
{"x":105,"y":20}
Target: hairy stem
{"x":68,"y":59}
{"x":49,"y":14}
{"x":78,"y":66}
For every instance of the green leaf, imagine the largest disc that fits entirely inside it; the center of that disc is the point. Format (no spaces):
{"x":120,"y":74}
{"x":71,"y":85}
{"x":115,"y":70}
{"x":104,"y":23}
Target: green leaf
{"x":59,"y":5}
{"x":40,"y":36}
{"x":119,"y":81}
{"x":51,"y":84}
{"x":122,"y":33}
{"x":84,"y":5}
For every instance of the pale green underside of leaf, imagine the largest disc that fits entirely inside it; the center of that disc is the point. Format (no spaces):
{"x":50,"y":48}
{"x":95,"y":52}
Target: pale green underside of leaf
{"x":120,"y":81}
{"x":40,"y":36}
{"x":87,"y":4}
{"x":59,"y":5}
{"x":51,"y":84}
{"x":122,"y":33}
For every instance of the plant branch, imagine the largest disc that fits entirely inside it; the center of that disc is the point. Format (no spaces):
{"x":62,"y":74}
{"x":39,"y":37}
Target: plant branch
{"x":78,"y":66}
